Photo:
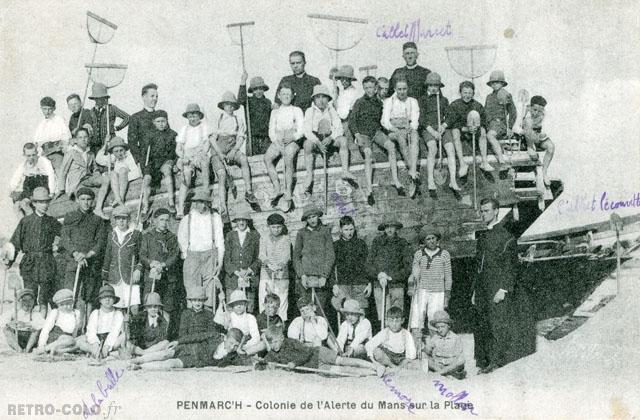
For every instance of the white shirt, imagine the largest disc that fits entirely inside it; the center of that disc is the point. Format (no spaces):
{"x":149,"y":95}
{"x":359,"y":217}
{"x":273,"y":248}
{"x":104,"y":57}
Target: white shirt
{"x":42,"y":167}
{"x":395,"y":108}
{"x":66,"y":322}
{"x":121,"y":234}
{"x":361,"y":333}
{"x":33,"y":318}
{"x":242,"y":235}
{"x":308,"y":331}
{"x":196,"y":234}
{"x":286,"y":117}
{"x":345,"y":100}
{"x":101,"y":322}
{"x":400,"y":342}
{"x":314,"y":115}
{"x":194,"y":137}
{"x":225,"y":124}
{"x":53,"y":128}
{"x":246,"y":323}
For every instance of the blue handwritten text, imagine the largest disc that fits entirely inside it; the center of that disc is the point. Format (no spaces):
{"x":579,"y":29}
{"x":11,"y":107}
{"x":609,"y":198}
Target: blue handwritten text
{"x":412,"y":31}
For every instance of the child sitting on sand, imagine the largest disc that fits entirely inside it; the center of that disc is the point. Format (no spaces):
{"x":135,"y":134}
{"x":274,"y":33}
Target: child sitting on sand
{"x":310,"y":329}
{"x":393,"y":346}
{"x":443,"y":350}
{"x":61,"y":326}
{"x":150,"y":326}
{"x":104,"y":329}
{"x":355,"y":331}
{"x":240,"y":319}
{"x":22,"y":331}
{"x":270,"y":316}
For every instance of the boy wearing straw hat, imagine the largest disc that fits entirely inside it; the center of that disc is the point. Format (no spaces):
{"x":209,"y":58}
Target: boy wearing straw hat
{"x":228,"y":142}
{"x":35,"y":236}
{"x":201,"y":239}
{"x":346,"y":96}
{"x":390,"y":264}
{"x":122,"y":267}
{"x":99,"y":115}
{"x":444,"y":350}
{"x":104,"y":329}
{"x":498,"y":104}
{"x":275,"y":258}
{"x":354,"y":331}
{"x":35,"y":171}
{"x":61,"y":326}
{"x":324,"y":133}
{"x":52,"y":133}
{"x":195,"y":319}
{"x":313,"y":257}
{"x":237,"y":317}
{"x":242,"y":259}
{"x":435,"y":129}
{"x":28,"y":323}
{"x":83,"y":241}
{"x":192,"y":149}
{"x":150,"y":329}
{"x":259,"y":110}
{"x":160,"y":255}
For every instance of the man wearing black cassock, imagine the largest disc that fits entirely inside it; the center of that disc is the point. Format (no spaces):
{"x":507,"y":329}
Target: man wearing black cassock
{"x":493,"y":291}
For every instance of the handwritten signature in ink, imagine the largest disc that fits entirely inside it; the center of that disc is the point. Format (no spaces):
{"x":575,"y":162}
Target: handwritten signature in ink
{"x":412,"y":31}
{"x":406,"y":400}
{"x":112,"y":377}
{"x":342,"y":207}
{"x":455,"y":400}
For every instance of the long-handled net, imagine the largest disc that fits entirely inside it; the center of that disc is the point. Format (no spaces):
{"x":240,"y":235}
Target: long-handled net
{"x":110,"y":75}
{"x":338,"y":33}
{"x":368,"y":70}
{"x":240,"y":34}
{"x":473,"y":61}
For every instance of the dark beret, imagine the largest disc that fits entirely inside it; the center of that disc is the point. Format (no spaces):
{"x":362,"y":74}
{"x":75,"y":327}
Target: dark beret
{"x":538,"y":100}
{"x":85,"y":191}
{"x":160,"y":113}
{"x":48,"y":101}
{"x":160,"y":212}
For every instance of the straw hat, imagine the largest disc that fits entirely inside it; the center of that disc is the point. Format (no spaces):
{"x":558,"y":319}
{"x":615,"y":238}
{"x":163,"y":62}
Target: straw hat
{"x":108,"y":291}
{"x":440,"y":316}
{"x":197,"y":293}
{"x":257,"y":83}
{"x":201,"y":195}
{"x":40,"y":194}
{"x":433,"y":78}
{"x":242,"y":216}
{"x":310,"y":211}
{"x":191,"y":108}
{"x":153,"y":299}
{"x":228,"y":98}
{"x":98,"y":90}
{"x":321,"y":90}
{"x":345,"y":72}
{"x":62,"y":295}
{"x":389,"y":222}
{"x":497,"y":76}
{"x":121,"y":211}
{"x":24,"y":292}
{"x":117,"y":142}
{"x":236,"y":297}
{"x":351,"y":306}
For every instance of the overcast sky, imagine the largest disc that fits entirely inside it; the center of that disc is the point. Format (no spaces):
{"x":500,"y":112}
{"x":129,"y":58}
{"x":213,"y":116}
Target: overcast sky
{"x":580,"y":55}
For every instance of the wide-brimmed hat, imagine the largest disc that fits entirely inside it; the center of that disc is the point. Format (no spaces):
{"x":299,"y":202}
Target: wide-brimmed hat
{"x":351,"y":306}
{"x":390,"y":222}
{"x":153,"y":299}
{"x":427,"y":231}
{"x":201,"y":195}
{"x":108,"y":291}
{"x":117,"y":142}
{"x":40,"y":194}
{"x":62,"y":295}
{"x":321,"y":90}
{"x":497,"y":76}
{"x":228,"y":98}
{"x":237,"y":296}
{"x":24,"y":292}
{"x":433,"y":78}
{"x":98,"y":90}
{"x":121,"y":211}
{"x":197,"y":293}
{"x":310,"y":211}
{"x":345,"y":72}
{"x":275,"y":219}
{"x":242,"y":216}
{"x":440,"y":316}
{"x":191,"y":108}
{"x":257,"y":83}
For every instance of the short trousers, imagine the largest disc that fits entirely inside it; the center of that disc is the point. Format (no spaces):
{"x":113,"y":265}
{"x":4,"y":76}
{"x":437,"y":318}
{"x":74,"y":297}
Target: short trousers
{"x":447,"y":137}
{"x":155,"y":170}
{"x":499,"y":127}
{"x":395,"y":358}
{"x":55,"y":333}
{"x":365,"y":141}
{"x":225,"y":145}
{"x":327,"y":356}
{"x":259,"y":144}
{"x":92,"y":180}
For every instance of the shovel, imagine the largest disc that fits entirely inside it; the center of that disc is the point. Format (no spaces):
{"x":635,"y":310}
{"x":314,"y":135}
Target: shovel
{"x":440,"y":174}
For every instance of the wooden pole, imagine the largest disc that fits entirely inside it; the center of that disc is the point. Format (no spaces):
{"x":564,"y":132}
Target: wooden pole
{"x":307,"y":369}
{"x":4,"y":288}
{"x":249,"y":147}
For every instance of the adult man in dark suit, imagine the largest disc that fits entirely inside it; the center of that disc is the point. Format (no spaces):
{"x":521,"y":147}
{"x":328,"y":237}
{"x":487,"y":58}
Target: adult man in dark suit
{"x":141,"y":122}
{"x":242,"y":260}
{"x":301,"y":82}
{"x":414,"y":74}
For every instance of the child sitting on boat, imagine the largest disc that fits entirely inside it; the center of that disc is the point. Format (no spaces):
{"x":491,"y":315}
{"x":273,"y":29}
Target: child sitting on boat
{"x":536,"y":139}
{"x":259,"y":110}
{"x":498,"y":107}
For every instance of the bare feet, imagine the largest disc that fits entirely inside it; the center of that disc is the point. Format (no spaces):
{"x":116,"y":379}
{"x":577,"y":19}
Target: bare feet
{"x":462,"y":172}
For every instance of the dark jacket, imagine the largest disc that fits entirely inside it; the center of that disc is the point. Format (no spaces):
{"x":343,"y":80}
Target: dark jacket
{"x":496,"y":263}
{"x":119,"y":258}
{"x":495,"y":111}
{"x":261,"y":319}
{"x":162,"y":247}
{"x":193,"y":323}
{"x":140,"y":124}
{"x":313,"y":252}
{"x":83,"y":232}
{"x":416,"y":79}
{"x":143,"y":335}
{"x":260,"y":110}
{"x":429,"y":111}
{"x":241,"y":257}
{"x":162,"y":147}
{"x":351,"y":261}
{"x":392,"y":256}
{"x":34,"y":236}
{"x":296,"y":352}
{"x":365,"y":116}
{"x":458,"y":110}
{"x":302,"y":89}
{"x":99,"y":118}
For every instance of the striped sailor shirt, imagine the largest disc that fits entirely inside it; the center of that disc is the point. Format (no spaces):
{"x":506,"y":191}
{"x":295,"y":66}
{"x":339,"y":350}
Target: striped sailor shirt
{"x":432,"y":272}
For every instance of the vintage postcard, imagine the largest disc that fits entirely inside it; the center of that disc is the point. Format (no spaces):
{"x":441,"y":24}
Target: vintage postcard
{"x":321,"y":209}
